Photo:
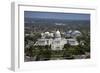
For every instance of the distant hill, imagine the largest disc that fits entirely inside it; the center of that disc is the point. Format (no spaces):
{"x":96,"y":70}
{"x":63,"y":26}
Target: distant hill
{"x":41,"y":25}
{"x":32,"y":20}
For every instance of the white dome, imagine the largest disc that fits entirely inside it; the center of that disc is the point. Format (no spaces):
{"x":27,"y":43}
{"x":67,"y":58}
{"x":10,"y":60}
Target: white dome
{"x":76,"y":32}
{"x":57,"y":34}
{"x":46,"y":32}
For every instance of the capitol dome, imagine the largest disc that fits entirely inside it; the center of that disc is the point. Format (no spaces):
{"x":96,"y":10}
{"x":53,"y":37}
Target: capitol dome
{"x":57,"y":34}
{"x":47,"y":33}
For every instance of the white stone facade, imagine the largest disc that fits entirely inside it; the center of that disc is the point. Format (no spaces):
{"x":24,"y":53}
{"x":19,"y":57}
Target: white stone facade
{"x":57,"y":43}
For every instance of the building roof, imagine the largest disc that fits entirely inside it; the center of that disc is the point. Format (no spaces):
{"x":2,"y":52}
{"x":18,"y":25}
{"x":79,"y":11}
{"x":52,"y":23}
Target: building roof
{"x":57,"y":34}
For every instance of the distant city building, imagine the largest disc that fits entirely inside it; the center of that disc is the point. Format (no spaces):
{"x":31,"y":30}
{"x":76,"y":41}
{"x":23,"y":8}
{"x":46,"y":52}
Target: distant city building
{"x":55,"y":40}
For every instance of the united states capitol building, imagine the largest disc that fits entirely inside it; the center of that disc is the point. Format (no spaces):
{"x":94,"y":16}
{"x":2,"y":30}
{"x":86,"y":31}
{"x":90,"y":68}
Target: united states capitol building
{"x":56,"y":41}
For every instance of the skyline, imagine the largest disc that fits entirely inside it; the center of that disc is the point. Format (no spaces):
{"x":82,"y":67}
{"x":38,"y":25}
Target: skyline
{"x":56,"y":15}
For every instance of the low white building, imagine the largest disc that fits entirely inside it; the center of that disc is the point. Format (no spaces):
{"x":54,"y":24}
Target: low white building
{"x":57,"y":43}
{"x":43,"y":42}
{"x":72,"y":42}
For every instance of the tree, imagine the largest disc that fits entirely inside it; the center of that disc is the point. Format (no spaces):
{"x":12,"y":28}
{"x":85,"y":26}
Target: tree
{"x":42,"y":52}
{"x":29,"y":52}
{"x":46,"y":52}
{"x":66,"y":46}
{"x":68,"y":51}
{"x":84,"y":41}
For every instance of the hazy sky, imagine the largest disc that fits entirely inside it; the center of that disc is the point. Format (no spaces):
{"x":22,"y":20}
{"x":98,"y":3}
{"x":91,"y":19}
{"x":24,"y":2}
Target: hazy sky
{"x":52,"y":15}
